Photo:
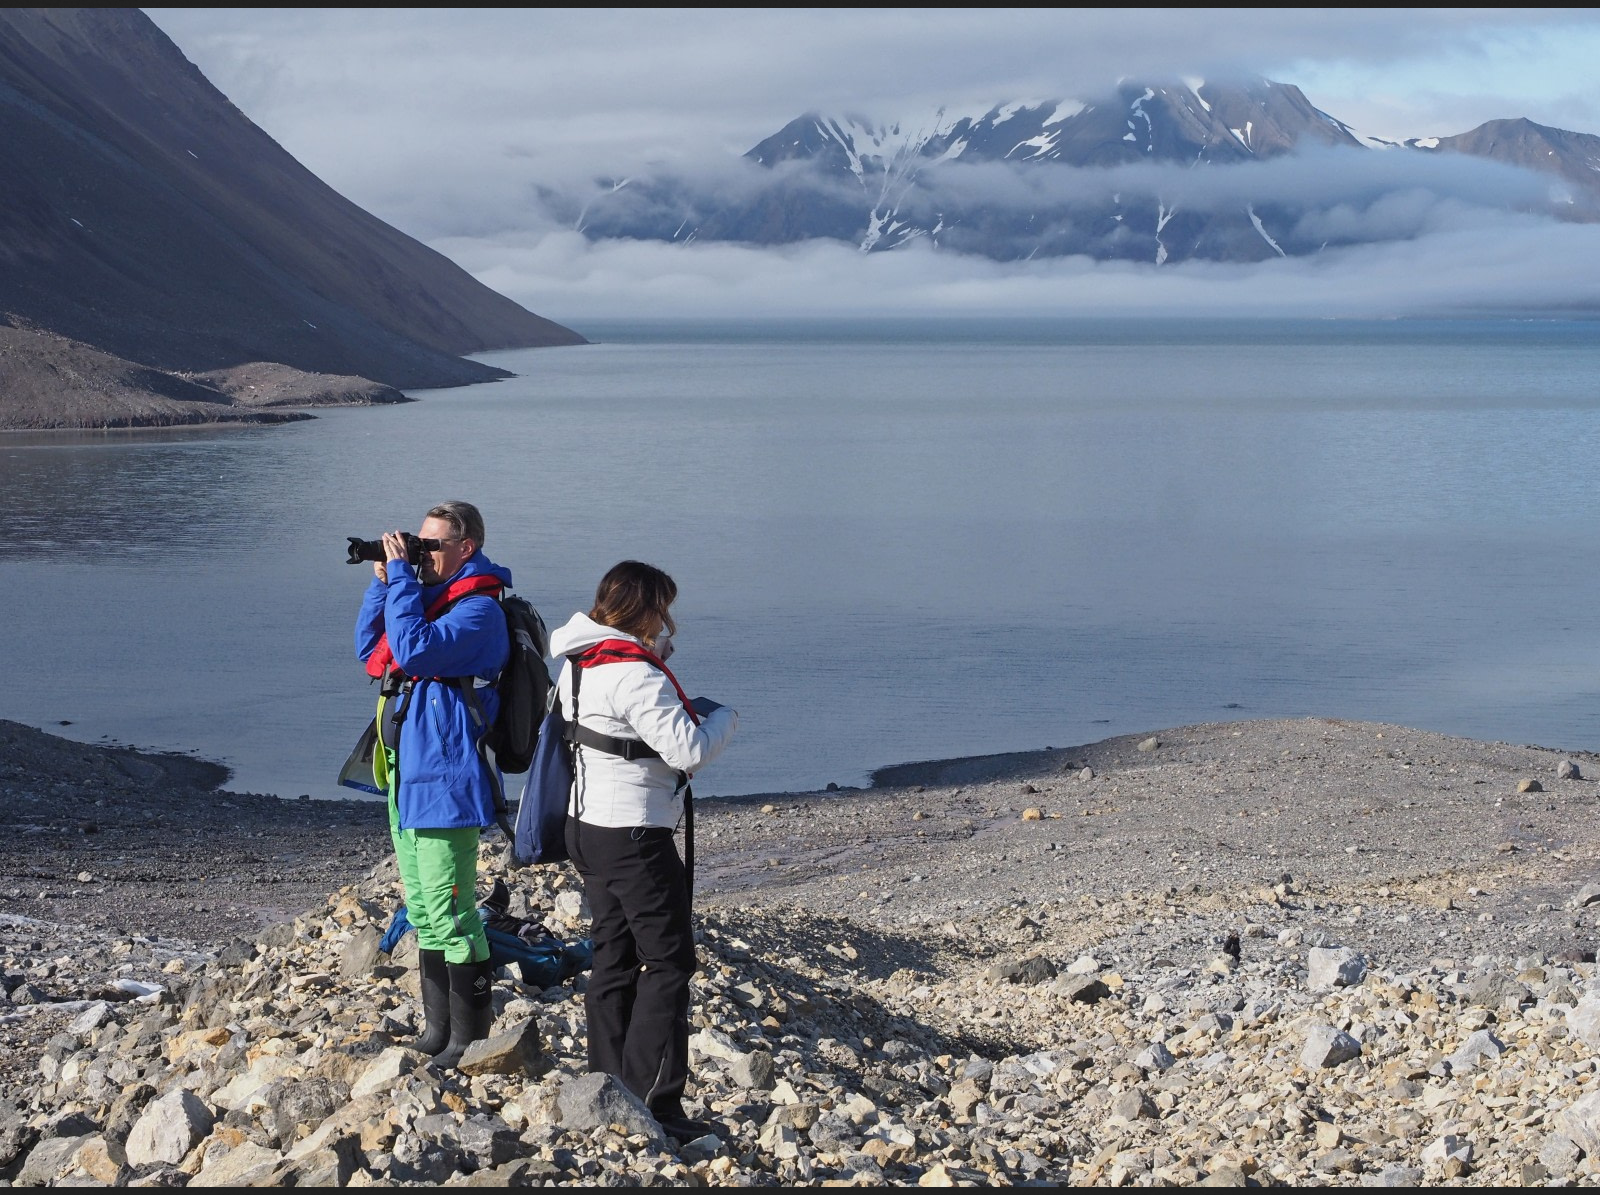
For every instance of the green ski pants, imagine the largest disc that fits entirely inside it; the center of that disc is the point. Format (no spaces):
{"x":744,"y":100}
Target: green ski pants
{"x":439,"y":872}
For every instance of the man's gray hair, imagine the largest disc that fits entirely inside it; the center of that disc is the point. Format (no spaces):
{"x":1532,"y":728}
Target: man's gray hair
{"x":463,"y":516}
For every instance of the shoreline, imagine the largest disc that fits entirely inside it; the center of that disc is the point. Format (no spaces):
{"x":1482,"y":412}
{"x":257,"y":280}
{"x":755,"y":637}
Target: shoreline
{"x":1215,"y":800}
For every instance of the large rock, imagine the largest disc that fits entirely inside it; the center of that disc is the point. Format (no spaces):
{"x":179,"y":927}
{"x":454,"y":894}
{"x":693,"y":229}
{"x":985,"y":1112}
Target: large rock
{"x":595,"y":1100}
{"x":1334,"y":967}
{"x":1479,"y":1047}
{"x":1583,"y":1020}
{"x":168,"y":1129}
{"x":964,"y":1097}
{"x":303,"y":1103}
{"x":1155,"y":1057}
{"x":245,"y":1165}
{"x":754,"y":1070}
{"x":47,"y":1160}
{"x":714,"y":1043}
{"x":360,"y":955}
{"x":1559,"y":1155}
{"x":1579,"y":1123}
{"x":1032,"y":970}
{"x":1080,"y":989}
{"x":1494,"y":989}
{"x":1328,"y":1047}
{"x":383,"y":1070}
{"x":517,"y":1051}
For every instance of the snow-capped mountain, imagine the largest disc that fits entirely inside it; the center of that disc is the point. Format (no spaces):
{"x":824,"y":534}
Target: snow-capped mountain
{"x":1152,"y":173}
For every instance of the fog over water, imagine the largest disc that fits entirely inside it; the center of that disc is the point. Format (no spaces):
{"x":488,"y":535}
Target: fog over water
{"x":894,"y":540}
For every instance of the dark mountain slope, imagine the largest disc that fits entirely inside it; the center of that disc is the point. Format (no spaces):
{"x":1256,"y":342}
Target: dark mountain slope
{"x":143,"y":214}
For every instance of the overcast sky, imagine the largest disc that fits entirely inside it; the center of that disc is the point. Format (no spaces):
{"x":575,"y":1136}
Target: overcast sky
{"x":444,"y":122}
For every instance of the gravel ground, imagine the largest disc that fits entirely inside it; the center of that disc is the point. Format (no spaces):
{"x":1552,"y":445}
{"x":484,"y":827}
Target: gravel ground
{"x":948,"y":919}
{"x":1399,"y":821}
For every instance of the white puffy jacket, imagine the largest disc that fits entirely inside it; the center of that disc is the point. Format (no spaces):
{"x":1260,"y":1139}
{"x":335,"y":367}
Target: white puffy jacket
{"x":631,"y":700}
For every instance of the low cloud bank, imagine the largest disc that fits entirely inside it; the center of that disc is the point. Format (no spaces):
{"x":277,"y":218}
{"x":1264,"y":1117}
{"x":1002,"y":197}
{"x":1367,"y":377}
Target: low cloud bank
{"x":1469,"y":261}
{"x":1312,"y":200}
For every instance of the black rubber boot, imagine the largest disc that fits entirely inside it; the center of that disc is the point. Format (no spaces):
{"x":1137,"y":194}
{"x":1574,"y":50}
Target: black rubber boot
{"x":471,"y":1010}
{"x":435,"y":976}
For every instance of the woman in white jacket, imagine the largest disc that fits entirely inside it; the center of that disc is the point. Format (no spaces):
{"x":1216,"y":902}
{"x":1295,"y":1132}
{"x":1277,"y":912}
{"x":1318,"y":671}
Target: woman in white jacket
{"x":637,"y":739}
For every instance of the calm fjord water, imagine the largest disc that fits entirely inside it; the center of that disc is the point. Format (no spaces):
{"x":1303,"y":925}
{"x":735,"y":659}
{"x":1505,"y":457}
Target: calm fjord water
{"x":894,"y":541}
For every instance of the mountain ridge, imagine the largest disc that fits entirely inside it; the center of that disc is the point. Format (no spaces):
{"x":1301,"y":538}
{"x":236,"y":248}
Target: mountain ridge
{"x":1071,"y":171}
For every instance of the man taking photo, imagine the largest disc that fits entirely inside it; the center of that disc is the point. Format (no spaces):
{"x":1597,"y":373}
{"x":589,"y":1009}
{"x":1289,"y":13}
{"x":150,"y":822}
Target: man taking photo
{"x":427,"y":630}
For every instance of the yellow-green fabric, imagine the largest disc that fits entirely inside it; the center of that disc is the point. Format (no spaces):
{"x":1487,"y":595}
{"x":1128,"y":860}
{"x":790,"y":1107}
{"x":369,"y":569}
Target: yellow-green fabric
{"x":382,"y":758}
{"x":439,"y":872}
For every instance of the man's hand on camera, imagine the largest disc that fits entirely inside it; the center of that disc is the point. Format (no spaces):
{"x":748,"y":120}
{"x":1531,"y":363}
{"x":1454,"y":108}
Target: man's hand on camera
{"x":394,"y":548}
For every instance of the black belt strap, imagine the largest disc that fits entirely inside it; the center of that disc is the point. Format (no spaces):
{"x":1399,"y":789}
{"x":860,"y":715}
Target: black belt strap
{"x":610,"y":744}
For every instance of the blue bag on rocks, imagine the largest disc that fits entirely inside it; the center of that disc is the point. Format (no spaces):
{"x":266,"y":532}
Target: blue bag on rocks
{"x":542,"y":959}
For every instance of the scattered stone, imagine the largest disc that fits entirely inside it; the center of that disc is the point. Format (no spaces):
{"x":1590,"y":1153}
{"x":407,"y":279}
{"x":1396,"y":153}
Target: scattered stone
{"x":754,"y":1071}
{"x":1150,"y":744}
{"x":1529,"y":786}
{"x":1567,"y":769}
{"x":1032,"y":814}
{"x":964,"y":1097}
{"x":381,"y":1073}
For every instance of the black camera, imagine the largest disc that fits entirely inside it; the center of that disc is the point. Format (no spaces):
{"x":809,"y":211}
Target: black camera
{"x":372,"y":549}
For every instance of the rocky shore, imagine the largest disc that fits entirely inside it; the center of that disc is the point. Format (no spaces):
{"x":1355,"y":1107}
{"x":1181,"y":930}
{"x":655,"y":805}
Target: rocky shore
{"x":1259,"y":953}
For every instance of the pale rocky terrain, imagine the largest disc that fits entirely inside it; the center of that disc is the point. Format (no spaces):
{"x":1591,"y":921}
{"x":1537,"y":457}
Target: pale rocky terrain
{"x":1009,"y":970}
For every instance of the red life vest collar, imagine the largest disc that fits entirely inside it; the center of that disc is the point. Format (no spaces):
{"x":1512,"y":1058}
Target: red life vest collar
{"x":617,"y":651}
{"x":381,"y":661}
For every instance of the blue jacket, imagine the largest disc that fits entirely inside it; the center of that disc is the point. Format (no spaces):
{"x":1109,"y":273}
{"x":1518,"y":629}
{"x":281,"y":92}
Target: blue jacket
{"x":444,"y":784}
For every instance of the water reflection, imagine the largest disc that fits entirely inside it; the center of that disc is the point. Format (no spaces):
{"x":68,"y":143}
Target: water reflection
{"x":122,"y":494}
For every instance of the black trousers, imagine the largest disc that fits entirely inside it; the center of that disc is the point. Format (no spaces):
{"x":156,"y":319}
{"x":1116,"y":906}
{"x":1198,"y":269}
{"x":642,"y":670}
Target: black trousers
{"x":638,"y":996}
